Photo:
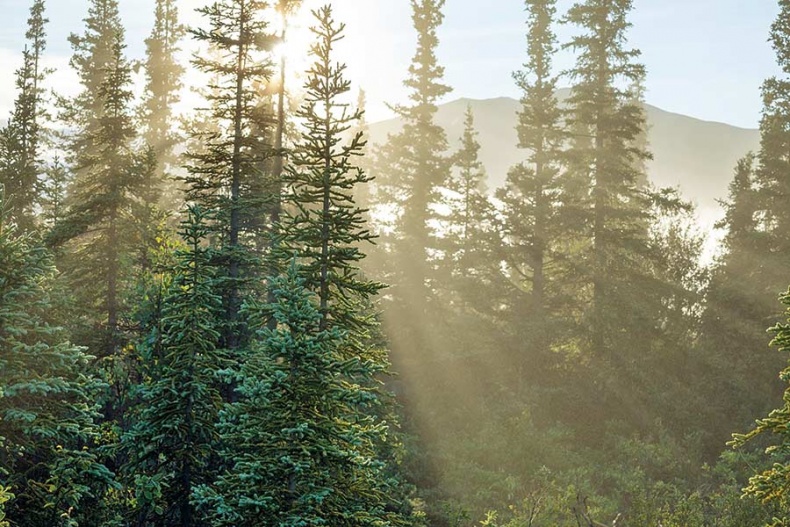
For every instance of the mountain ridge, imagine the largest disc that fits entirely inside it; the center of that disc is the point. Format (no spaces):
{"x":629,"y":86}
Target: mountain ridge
{"x":695,"y":155}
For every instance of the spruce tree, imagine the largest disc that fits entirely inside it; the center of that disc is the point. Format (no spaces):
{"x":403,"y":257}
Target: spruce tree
{"x":163,"y":76}
{"x":539,"y":201}
{"x":163,"y":84}
{"x":53,"y":194}
{"x":172,"y":441}
{"x":770,"y":485}
{"x":323,"y":224}
{"x":20,"y":140}
{"x":469,"y":206}
{"x":736,"y":312}
{"x":303,"y":440}
{"x":98,"y":223}
{"x":285,"y":9}
{"x":46,"y":393}
{"x":773,"y":174}
{"x":752,"y":270}
{"x":413,"y":166}
{"x":607,"y":160}
{"x":225,"y":178}
{"x":468,"y":276}
{"x":93,"y":58}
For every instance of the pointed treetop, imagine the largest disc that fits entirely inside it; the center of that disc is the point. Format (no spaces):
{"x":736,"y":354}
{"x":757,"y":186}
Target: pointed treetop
{"x":425,"y":71}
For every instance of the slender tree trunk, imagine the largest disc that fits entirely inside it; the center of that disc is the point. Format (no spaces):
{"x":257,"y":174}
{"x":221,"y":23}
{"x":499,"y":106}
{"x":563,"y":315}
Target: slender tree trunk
{"x":325,"y":215}
{"x":538,"y":275}
{"x":277,"y":173}
{"x":599,"y":248}
{"x":112,"y":282}
{"x":232,"y":339}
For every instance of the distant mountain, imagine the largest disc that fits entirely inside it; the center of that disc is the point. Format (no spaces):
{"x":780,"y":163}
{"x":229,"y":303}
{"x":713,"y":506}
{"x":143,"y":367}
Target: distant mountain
{"x":697,"y":156}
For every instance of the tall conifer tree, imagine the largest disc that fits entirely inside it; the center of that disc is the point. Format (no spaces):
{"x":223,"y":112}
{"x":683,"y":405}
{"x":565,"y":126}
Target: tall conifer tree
{"x":163,"y":83}
{"x":413,"y":164}
{"x":539,"y":198}
{"x":773,"y":174}
{"x":753,"y":270}
{"x":20,"y":141}
{"x":324,"y":225}
{"x":98,"y":223}
{"x":469,"y":206}
{"x":173,"y":439}
{"x":617,"y":212}
{"x":222,"y":178}
{"x":303,"y":438}
{"x":468,"y":273}
{"x":736,"y":312}
{"x":53,"y":193}
{"x":92,"y":60}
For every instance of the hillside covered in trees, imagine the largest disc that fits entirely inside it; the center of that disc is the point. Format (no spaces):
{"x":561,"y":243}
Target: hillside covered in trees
{"x":267,"y":311}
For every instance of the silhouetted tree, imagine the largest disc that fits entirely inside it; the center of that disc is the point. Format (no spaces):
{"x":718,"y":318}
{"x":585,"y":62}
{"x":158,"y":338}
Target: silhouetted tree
{"x":20,"y":140}
{"x":413,"y":165}
{"x":223,"y":175}
{"x":540,"y":204}
{"x":163,"y":84}
{"x":616,"y":211}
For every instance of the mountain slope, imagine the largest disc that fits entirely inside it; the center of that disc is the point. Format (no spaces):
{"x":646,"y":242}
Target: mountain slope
{"x":697,"y":156}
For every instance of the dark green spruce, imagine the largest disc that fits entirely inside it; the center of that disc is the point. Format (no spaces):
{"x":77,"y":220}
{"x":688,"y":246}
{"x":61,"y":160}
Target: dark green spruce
{"x":225,"y":176}
{"x":173,"y":439}
{"x":303,"y":440}
{"x":47,"y":414}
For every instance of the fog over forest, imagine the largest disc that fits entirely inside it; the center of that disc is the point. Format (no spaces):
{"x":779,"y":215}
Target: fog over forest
{"x":231,"y":296}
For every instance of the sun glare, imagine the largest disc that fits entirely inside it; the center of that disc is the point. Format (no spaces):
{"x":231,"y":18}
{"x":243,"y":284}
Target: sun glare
{"x":294,"y":50}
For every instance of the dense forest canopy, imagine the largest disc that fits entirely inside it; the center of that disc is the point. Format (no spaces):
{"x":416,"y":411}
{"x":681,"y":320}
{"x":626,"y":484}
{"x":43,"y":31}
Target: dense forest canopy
{"x":223,"y":305}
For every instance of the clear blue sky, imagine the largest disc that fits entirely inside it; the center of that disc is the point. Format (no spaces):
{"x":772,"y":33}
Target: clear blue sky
{"x":705,"y":58}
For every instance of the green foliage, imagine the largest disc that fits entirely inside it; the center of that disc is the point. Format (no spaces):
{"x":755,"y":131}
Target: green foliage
{"x":769,"y":486}
{"x":302,"y":437}
{"x":47,"y":417}
{"x":53,"y":194}
{"x":226,"y":176}
{"x":304,"y":441}
{"x":322,"y":225}
{"x":93,"y":58}
{"x":559,"y":366}
{"x":99,"y":223}
{"x":21,"y":138}
{"x":5,"y":497}
{"x":173,"y":437}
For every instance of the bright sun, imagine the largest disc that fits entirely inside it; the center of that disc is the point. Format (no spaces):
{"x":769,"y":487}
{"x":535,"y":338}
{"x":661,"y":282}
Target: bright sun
{"x":295,"y":49}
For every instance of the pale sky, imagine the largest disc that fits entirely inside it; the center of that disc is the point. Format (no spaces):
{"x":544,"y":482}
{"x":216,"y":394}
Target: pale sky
{"x":705,"y":58}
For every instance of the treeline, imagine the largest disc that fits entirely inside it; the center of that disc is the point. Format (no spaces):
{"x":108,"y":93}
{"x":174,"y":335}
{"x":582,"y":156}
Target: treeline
{"x":229,"y":373}
{"x":565,"y":357}
{"x":191,"y":332}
